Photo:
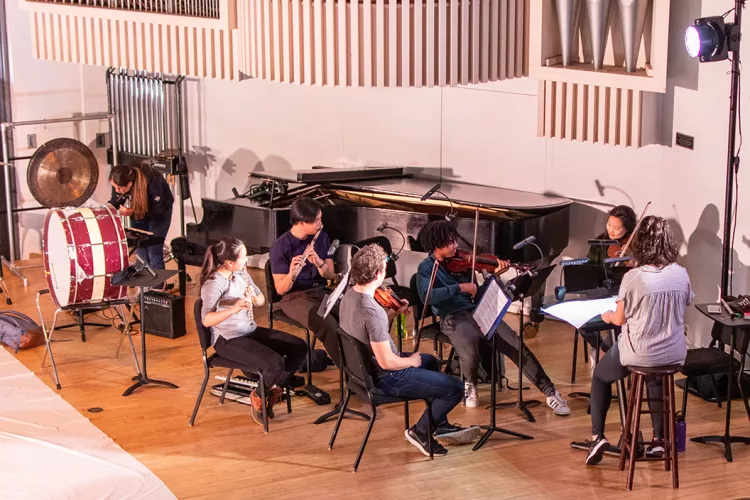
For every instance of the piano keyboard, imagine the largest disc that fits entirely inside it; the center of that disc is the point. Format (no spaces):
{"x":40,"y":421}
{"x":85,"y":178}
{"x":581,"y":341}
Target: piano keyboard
{"x":239,"y":388}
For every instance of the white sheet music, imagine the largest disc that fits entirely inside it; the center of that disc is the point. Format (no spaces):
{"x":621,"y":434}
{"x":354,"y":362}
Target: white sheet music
{"x":578,"y":312}
{"x":334,"y":297}
{"x":494,"y":303}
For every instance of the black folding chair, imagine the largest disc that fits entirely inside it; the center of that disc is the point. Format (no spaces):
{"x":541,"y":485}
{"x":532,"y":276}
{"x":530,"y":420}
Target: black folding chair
{"x":216,"y":361}
{"x":359,"y":366}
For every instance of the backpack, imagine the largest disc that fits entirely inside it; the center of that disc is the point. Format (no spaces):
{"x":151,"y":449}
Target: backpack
{"x":19,"y":331}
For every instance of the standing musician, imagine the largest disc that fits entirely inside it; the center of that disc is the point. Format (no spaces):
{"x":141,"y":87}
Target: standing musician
{"x":228,"y":295}
{"x":651,"y":310}
{"x":150,"y":208}
{"x":620,"y":224}
{"x":452,"y":299}
{"x":301,"y":268}
{"x":412,"y":375}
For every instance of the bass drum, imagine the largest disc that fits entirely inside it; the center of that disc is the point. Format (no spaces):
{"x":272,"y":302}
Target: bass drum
{"x":83,"y":249}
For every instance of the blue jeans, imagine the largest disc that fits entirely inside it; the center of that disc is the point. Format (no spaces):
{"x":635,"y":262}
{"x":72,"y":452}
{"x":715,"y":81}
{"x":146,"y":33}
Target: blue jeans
{"x":443,"y":391}
{"x":154,"y":254}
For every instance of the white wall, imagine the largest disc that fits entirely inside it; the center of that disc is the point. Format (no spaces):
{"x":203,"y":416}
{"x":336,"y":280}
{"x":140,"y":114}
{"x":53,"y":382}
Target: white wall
{"x":483,"y":134}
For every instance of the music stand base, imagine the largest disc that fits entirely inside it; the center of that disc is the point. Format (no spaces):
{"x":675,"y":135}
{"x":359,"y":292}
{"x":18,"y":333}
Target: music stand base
{"x":318,"y":396}
{"x":522,"y":406}
{"x":141,"y":381}
{"x":491,"y":430}
{"x":335,"y":413}
{"x":726,"y":440}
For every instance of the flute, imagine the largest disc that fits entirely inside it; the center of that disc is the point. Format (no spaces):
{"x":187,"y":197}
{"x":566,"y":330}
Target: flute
{"x":311,"y":246}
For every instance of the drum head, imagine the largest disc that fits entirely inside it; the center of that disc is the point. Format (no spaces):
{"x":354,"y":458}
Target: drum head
{"x":58,"y":263}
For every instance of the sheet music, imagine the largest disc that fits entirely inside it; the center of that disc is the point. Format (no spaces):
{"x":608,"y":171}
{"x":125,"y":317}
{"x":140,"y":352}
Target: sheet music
{"x":579,"y":312}
{"x":492,"y":307}
{"x":334,"y":297}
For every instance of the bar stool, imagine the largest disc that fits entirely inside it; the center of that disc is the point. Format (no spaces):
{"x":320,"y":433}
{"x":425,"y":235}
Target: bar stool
{"x":633,"y":421}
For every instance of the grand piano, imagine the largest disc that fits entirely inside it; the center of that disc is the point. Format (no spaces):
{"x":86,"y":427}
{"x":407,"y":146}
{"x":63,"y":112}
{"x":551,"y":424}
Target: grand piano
{"x":356,"y":202}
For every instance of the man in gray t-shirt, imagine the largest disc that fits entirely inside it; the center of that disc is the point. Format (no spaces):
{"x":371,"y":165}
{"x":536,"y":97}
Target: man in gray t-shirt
{"x":414,"y":376}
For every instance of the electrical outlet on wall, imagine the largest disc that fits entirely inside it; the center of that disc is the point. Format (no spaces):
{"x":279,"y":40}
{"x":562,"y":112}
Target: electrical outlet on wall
{"x":101,"y":140}
{"x":31,"y":141}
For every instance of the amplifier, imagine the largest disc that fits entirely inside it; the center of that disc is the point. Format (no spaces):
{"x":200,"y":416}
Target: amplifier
{"x":163,"y":314}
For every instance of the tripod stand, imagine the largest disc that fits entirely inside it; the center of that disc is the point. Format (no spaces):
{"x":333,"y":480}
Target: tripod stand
{"x":524,"y":286}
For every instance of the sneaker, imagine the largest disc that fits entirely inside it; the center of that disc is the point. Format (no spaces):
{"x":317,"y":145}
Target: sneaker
{"x":655,"y":449}
{"x":558,"y":404}
{"x":597,"y":450}
{"x":455,"y":434}
{"x":256,"y":407}
{"x":420,"y":442}
{"x":274,"y":396}
{"x":470,"y":395}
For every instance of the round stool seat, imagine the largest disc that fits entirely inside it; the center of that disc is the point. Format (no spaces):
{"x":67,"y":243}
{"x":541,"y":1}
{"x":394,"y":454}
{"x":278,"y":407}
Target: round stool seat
{"x":654,"y":371}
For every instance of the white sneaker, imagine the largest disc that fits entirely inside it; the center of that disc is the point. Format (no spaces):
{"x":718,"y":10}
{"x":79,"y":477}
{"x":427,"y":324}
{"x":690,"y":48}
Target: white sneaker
{"x":470,"y":395}
{"x":558,"y":404}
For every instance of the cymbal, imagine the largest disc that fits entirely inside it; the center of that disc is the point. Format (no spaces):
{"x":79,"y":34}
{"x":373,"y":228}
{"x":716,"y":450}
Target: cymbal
{"x":62,"y":173}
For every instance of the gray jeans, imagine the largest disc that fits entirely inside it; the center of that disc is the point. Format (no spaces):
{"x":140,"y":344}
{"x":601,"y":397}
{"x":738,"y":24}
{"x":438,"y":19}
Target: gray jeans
{"x":469,"y":343}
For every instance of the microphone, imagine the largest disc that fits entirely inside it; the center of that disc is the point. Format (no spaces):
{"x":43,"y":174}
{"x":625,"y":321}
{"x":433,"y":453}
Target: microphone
{"x":617,"y":259}
{"x":599,"y":187}
{"x":429,"y":193}
{"x":524,"y":242}
{"x":574,"y":262}
{"x":145,"y":266}
{"x":334,"y":245}
{"x":382,"y":227}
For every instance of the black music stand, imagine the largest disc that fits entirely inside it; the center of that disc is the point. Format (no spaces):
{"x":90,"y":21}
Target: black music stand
{"x":492,"y":427}
{"x":523,"y":286}
{"x":144,"y":279}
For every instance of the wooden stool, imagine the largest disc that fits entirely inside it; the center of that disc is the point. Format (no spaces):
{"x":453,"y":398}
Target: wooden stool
{"x":632,"y":423}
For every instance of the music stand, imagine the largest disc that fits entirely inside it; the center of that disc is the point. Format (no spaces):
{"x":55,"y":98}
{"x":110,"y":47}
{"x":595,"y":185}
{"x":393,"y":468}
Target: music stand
{"x":492,"y":427}
{"x":523,"y":286}
{"x":145,"y":278}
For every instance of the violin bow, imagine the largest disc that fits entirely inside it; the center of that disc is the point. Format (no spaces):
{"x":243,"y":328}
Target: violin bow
{"x":474,"y":247}
{"x":426,"y":302}
{"x":632,"y":234}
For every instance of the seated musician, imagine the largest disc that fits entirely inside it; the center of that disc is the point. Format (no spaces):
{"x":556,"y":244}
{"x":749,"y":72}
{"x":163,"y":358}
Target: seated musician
{"x":150,"y":208}
{"x":651,"y":309}
{"x":301,"y":268}
{"x":400,"y":374}
{"x":452,"y":299}
{"x":621,"y":221}
{"x":229,"y":295}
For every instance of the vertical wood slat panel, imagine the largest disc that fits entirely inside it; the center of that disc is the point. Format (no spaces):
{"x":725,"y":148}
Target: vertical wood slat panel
{"x":419,"y":13}
{"x":380,"y":42}
{"x":367,"y":44}
{"x":342,"y":38}
{"x":392,"y":45}
{"x":442,"y":40}
{"x":356,"y":47}
{"x":406,"y":45}
{"x":454,"y":44}
{"x":503,"y":32}
{"x":430,"y":43}
{"x":463,"y":41}
{"x":327,"y":61}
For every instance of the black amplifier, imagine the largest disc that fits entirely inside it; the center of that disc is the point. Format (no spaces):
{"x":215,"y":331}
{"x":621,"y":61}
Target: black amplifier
{"x":163,"y":314}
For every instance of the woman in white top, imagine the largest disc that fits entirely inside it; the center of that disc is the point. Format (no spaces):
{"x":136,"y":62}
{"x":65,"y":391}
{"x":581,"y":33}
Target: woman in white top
{"x":651,"y":310}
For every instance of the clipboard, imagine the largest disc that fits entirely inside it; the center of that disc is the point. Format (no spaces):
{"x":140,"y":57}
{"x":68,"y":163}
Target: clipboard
{"x":491,"y":308}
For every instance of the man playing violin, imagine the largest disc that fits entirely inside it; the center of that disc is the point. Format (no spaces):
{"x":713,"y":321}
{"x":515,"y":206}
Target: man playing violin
{"x":452,"y":298}
{"x":413,"y":375}
{"x":301,"y":268}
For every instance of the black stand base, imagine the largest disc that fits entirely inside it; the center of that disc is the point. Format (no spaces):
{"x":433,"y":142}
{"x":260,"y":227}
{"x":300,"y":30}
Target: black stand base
{"x":141,"y":381}
{"x":318,"y":396}
{"x":335,"y":413}
{"x":492,"y":429}
{"x":726,"y":440}
{"x":522,"y":406}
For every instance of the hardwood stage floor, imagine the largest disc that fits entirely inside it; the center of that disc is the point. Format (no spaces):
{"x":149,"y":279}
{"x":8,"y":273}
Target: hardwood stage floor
{"x":226,"y":455}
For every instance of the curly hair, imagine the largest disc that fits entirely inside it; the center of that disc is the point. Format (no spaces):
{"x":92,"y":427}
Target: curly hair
{"x":654,"y":244}
{"x":437,"y":234}
{"x":366,"y":264}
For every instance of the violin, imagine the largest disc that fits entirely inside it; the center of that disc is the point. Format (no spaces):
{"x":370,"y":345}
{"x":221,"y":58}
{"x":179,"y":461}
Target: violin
{"x":388,"y":298}
{"x":462,"y":262}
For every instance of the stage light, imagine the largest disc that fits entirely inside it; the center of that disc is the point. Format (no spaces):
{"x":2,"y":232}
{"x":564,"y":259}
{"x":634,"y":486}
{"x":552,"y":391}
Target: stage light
{"x":711,"y":39}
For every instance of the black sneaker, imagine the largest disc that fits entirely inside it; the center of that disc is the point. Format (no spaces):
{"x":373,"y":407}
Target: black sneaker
{"x":596,"y":453}
{"x":455,"y":434}
{"x":655,"y":449}
{"x":420,"y":442}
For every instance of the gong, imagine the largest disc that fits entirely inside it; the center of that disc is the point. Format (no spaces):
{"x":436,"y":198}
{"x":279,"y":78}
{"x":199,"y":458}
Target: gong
{"x":62,"y":173}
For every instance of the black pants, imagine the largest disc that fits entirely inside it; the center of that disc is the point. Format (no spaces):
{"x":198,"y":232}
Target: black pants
{"x":278,"y":355}
{"x":302,"y":307}
{"x":608,"y":371}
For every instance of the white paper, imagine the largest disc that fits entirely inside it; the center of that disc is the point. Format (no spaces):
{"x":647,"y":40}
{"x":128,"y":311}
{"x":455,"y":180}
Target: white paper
{"x":579,"y":312}
{"x":334,"y":297}
{"x":489,"y":308}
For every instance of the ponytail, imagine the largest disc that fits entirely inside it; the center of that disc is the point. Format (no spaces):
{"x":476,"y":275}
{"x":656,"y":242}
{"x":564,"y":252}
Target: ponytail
{"x":209,"y":265}
{"x":227,"y":248}
{"x":122,"y":175}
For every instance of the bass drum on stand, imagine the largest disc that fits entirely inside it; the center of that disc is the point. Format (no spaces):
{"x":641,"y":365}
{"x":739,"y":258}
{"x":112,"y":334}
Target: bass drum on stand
{"x":83,"y":248}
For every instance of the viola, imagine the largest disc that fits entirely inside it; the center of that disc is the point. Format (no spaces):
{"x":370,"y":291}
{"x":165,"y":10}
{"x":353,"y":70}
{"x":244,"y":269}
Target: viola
{"x":388,"y":298}
{"x":461,"y":263}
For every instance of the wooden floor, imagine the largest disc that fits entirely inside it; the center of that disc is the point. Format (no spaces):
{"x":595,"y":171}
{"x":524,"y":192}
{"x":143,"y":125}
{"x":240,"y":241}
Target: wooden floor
{"x":226,"y":455}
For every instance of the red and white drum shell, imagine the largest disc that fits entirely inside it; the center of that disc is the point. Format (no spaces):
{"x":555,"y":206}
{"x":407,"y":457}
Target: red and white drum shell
{"x":83,"y":249}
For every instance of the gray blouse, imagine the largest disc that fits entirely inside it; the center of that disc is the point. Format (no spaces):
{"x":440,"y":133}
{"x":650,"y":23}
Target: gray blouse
{"x":655,"y":301}
{"x":219,"y":293}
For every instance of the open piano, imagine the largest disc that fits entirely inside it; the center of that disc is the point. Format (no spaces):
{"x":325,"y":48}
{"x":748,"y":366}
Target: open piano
{"x":358,"y":201}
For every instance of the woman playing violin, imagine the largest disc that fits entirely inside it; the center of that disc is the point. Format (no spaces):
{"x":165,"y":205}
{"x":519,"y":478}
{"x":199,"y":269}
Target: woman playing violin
{"x":620,"y":225}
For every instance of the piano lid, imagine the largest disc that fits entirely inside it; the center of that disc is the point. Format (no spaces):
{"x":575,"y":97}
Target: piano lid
{"x":468,"y":195}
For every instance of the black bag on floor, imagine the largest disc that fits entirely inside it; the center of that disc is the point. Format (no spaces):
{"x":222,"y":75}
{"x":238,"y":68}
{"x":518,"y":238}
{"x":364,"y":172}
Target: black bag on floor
{"x":319,"y":361}
{"x":704,"y":389}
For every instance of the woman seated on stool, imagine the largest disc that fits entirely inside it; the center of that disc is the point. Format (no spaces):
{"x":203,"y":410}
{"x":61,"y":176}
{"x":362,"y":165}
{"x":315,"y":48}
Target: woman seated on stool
{"x":651,"y":310}
{"x":228,"y":295}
